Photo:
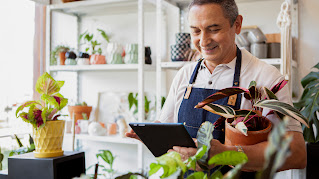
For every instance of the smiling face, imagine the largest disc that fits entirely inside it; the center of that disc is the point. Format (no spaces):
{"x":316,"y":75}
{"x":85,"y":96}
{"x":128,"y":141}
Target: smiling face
{"x":212,"y":33}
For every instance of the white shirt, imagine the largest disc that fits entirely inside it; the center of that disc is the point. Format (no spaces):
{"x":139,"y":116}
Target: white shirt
{"x":222,"y":77}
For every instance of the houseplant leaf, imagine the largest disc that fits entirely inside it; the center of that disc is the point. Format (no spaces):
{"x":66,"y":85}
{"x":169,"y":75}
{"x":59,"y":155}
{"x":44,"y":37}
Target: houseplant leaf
{"x":50,"y":100}
{"x":47,"y":85}
{"x":233,"y":173}
{"x":222,"y":94}
{"x":228,"y":158}
{"x":197,"y":175}
{"x":170,"y":163}
{"x":310,"y":77}
{"x":252,"y":90}
{"x":204,"y":136}
{"x":278,"y":86}
{"x":104,"y":35}
{"x":216,"y":175}
{"x":221,"y":110}
{"x":283,"y":108}
{"x":26,"y":104}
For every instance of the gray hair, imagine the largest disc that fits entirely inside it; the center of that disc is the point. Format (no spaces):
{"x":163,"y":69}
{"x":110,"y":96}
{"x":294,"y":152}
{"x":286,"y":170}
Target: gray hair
{"x":229,"y":7}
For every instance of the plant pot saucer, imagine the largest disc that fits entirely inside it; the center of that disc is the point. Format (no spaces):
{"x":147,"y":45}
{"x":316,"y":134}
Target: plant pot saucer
{"x":47,"y":154}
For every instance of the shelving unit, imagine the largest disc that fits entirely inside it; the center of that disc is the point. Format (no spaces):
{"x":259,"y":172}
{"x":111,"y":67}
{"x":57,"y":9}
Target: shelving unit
{"x":80,"y":9}
{"x":180,"y":64}
{"x":104,"y":67}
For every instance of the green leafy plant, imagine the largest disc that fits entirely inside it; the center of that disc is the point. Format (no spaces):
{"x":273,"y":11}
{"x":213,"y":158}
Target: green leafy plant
{"x":133,"y":101}
{"x":253,"y":119}
{"x":22,"y":149}
{"x":47,"y":107}
{"x":107,"y":157}
{"x":93,"y":43}
{"x":309,"y":104}
{"x":55,"y":52}
{"x":275,"y":155}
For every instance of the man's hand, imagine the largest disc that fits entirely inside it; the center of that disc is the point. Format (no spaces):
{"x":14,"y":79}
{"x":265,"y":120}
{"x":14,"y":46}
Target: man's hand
{"x":215,"y":148}
{"x":185,"y":152}
{"x":133,"y":135}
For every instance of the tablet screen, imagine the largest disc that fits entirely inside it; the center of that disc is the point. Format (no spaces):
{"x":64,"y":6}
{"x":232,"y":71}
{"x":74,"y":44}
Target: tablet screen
{"x":160,"y":137}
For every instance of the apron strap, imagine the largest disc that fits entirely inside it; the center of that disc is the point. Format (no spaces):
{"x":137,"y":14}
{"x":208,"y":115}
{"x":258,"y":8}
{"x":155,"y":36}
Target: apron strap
{"x":195,"y":72}
{"x":237,"y":68}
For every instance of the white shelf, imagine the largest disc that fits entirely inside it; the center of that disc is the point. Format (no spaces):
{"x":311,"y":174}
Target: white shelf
{"x":102,"y":7}
{"x":107,"y":139}
{"x":103,"y":67}
{"x":180,"y":64}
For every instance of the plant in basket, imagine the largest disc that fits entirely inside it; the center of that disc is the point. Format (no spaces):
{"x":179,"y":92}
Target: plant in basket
{"x":43,"y":114}
{"x":250,"y":126}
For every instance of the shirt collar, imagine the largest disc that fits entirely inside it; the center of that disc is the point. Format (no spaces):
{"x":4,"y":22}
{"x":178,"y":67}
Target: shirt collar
{"x":230,"y":65}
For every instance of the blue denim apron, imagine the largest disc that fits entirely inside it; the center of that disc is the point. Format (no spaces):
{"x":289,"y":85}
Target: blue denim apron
{"x":193,"y":118}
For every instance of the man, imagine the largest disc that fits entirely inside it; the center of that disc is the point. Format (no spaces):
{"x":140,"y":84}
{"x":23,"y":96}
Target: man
{"x":214,"y":24}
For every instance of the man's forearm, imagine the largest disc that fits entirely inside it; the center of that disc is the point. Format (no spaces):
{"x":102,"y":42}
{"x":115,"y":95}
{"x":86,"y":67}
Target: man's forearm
{"x":256,"y":158}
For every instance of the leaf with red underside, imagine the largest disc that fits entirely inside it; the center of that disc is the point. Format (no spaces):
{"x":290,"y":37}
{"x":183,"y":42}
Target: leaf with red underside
{"x":220,"y":122}
{"x":222,"y":94}
{"x":253,"y":92}
{"x":278,"y":86}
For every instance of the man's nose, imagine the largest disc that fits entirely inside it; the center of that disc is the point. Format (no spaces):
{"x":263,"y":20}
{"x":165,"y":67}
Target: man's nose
{"x":205,"y":40}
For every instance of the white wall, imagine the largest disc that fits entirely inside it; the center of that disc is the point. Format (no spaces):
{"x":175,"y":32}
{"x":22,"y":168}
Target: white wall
{"x":308,"y":36}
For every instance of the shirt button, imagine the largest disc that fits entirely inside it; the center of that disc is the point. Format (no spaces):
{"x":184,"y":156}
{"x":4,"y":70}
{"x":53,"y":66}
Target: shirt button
{"x":210,"y":82}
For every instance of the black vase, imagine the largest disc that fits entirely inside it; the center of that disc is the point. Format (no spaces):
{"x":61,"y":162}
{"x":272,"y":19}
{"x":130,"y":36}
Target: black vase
{"x":148,"y":59}
{"x":312,"y":171}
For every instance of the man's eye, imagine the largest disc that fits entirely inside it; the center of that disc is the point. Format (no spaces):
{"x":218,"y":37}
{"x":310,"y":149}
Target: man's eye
{"x":195,"y":32}
{"x":214,"y":30}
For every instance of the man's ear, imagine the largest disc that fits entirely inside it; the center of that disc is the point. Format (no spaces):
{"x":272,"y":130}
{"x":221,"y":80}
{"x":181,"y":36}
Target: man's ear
{"x":238,"y":23}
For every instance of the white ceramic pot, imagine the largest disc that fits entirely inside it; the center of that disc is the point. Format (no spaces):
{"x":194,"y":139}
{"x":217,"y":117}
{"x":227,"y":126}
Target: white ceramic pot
{"x":83,"y":61}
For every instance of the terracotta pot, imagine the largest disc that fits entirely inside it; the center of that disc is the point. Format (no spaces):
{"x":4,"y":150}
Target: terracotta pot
{"x":62,"y":58}
{"x":97,"y":59}
{"x":234,"y":137}
{"x":48,"y":140}
{"x":78,"y":110}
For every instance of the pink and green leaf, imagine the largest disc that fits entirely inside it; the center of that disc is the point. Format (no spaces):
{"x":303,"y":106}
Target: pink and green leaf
{"x":253,"y":92}
{"x":26,"y":104}
{"x":278,"y":86}
{"x":47,"y":85}
{"x":282,"y":108}
{"x":221,"y":110}
{"x":221,"y":94}
{"x":50,"y":100}
{"x":269,"y":94}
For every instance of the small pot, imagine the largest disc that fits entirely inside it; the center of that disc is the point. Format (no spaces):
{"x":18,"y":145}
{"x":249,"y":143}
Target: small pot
{"x":78,"y":110}
{"x":234,"y":137}
{"x":62,"y":58}
{"x":97,"y":59}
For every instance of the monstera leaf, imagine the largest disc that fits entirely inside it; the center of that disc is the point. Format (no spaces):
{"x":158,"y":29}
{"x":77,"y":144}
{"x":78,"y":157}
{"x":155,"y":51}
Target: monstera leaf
{"x":47,"y":85}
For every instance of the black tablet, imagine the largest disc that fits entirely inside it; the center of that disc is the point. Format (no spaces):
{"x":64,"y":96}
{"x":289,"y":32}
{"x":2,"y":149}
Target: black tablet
{"x":160,"y":137}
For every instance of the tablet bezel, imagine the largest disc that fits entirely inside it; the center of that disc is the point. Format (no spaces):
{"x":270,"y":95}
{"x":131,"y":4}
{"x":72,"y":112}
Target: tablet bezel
{"x":160,"y":137}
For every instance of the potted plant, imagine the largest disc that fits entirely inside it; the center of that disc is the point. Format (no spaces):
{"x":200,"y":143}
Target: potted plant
{"x":92,"y":44}
{"x":133,"y":104}
{"x":60,"y":51}
{"x":80,"y":111}
{"x":48,"y":132}
{"x":309,"y":107}
{"x":247,"y":127}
